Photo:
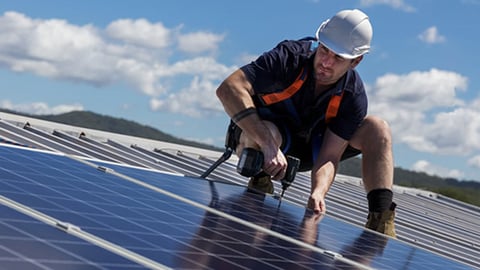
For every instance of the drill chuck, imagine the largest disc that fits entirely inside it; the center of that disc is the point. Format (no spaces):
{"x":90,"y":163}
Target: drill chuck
{"x":292,"y":168}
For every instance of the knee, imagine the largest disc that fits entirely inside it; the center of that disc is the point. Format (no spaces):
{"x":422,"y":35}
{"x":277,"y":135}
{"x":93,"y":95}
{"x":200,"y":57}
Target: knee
{"x":378,"y":129}
{"x":373,"y":133}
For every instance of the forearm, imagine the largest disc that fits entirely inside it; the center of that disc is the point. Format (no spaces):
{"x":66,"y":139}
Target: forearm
{"x":234,"y":97}
{"x":235,"y":94}
{"x":322,"y":178}
{"x":325,"y":167}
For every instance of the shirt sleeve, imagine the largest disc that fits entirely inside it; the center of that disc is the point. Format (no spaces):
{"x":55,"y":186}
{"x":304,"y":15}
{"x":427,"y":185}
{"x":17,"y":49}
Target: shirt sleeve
{"x":274,"y":69}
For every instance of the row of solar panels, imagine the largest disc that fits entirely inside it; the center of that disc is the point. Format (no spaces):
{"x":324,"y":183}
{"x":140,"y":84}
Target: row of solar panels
{"x":441,"y":225}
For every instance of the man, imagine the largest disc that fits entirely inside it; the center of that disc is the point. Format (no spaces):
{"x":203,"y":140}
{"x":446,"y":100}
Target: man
{"x":305,"y":99}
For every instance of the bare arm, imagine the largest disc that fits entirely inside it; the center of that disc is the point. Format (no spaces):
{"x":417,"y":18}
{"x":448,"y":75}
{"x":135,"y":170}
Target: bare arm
{"x":235,"y":93}
{"x":324,"y":170}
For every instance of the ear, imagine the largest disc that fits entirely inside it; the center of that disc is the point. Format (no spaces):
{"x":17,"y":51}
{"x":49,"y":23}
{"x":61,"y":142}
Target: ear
{"x":356,"y":61}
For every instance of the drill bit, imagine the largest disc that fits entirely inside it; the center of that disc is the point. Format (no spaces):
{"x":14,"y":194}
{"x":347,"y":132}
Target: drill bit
{"x":283,"y":192}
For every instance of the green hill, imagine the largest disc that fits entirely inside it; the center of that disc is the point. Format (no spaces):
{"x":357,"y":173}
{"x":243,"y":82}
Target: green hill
{"x":117,"y":125}
{"x":466,"y":191}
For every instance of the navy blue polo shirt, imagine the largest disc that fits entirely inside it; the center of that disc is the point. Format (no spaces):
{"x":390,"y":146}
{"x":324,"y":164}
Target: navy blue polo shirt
{"x":303,"y":114}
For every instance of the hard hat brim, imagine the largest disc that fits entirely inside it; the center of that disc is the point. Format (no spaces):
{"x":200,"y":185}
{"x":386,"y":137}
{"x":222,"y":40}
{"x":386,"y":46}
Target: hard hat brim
{"x":339,"y":50}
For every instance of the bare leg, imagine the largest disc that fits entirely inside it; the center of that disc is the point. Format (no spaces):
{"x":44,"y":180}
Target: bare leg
{"x":374,"y":139}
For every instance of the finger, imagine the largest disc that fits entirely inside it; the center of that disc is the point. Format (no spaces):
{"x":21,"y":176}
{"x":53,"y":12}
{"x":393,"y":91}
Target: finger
{"x":270,"y":170}
{"x":273,"y":168}
{"x":277,"y":174}
{"x":282,"y":173}
{"x":310,"y":204}
{"x":323,"y":208}
{"x":317,"y":207}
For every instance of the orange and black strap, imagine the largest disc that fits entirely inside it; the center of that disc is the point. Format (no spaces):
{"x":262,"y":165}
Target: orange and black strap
{"x":333,"y":106}
{"x":272,"y":98}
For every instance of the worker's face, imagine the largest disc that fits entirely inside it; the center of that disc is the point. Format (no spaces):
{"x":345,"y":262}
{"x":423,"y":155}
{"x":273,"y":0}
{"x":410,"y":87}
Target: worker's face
{"x":330,"y":67}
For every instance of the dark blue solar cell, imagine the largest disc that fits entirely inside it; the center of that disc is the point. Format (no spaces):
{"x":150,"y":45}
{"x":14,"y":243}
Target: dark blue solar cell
{"x":182,"y":235}
{"x":352,"y":242}
{"x":26,"y":243}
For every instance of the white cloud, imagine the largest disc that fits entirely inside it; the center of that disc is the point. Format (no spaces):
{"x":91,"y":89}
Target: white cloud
{"x":55,"y":49}
{"x":431,"y":36}
{"x":474,"y":161}
{"x":244,"y":58}
{"x":140,"y":32}
{"x":425,"y":113}
{"x":132,"y":52}
{"x":431,"y":169}
{"x":396,"y":4}
{"x":423,"y":90}
{"x":205,"y":66}
{"x":199,"y":42}
{"x":40,"y":107}
{"x":198,"y":99}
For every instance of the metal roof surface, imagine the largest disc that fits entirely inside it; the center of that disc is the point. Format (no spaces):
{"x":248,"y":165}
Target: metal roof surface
{"x":431,"y":229}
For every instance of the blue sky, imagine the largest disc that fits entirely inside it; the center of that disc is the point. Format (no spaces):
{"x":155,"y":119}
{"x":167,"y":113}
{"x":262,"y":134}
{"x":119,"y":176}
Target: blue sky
{"x":159,"y":62}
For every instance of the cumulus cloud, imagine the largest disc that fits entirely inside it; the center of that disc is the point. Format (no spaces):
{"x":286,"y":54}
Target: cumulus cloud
{"x":199,"y":42}
{"x":197,"y":98}
{"x":407,"y":102}
{"x":474,"y":161}
{"x":140,"y":32}
{"x":431,"y":36}
{"x":431,"y":169}
{"x":396,"y":4}
{"x":40,"y":107}
{"x":136,"y":53}
{"x":144,"y":55}
{"x":194,"y":95}
{"x":246,"y":58}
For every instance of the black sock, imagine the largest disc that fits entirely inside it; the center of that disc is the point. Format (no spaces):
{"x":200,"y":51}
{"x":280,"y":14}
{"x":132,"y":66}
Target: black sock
{"x":379,"y":200}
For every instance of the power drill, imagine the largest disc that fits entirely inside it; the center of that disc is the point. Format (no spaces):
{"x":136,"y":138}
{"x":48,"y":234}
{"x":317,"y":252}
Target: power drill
{"x":251,"y":163}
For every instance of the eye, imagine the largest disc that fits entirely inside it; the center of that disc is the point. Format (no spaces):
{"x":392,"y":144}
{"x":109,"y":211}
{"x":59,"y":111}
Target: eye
{"x":323,"y":49}
{"x":339,"y":58}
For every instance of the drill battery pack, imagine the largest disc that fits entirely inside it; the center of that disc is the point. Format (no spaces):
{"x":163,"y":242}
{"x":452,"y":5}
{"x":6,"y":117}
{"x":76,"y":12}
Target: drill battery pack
{"x":250,"y":162}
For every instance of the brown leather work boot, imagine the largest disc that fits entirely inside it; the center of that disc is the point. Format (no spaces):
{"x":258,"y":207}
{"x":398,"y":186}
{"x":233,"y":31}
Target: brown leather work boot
{"x":383,"y":222}
{"x":261,"y":183}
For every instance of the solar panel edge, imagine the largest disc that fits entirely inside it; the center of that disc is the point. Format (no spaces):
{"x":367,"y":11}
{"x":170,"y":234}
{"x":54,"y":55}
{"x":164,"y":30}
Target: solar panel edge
{"x":79,"y":233}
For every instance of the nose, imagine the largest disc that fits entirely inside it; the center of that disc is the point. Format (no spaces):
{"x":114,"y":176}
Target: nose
{"x":328,"y":59}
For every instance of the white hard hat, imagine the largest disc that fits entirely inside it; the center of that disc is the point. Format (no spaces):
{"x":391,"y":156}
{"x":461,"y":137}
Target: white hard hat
{"x":348,"y":33}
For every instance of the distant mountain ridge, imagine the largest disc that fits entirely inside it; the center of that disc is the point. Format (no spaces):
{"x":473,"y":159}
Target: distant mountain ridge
{"x":467,"y":191}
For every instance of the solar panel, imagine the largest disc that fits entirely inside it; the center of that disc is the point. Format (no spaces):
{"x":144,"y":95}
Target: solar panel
{"x":182,"y":222}
{"x":26,"y":243}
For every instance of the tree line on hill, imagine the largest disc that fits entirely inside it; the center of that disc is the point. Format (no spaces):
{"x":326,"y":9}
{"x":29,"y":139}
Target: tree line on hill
{"x":466,"y":191}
